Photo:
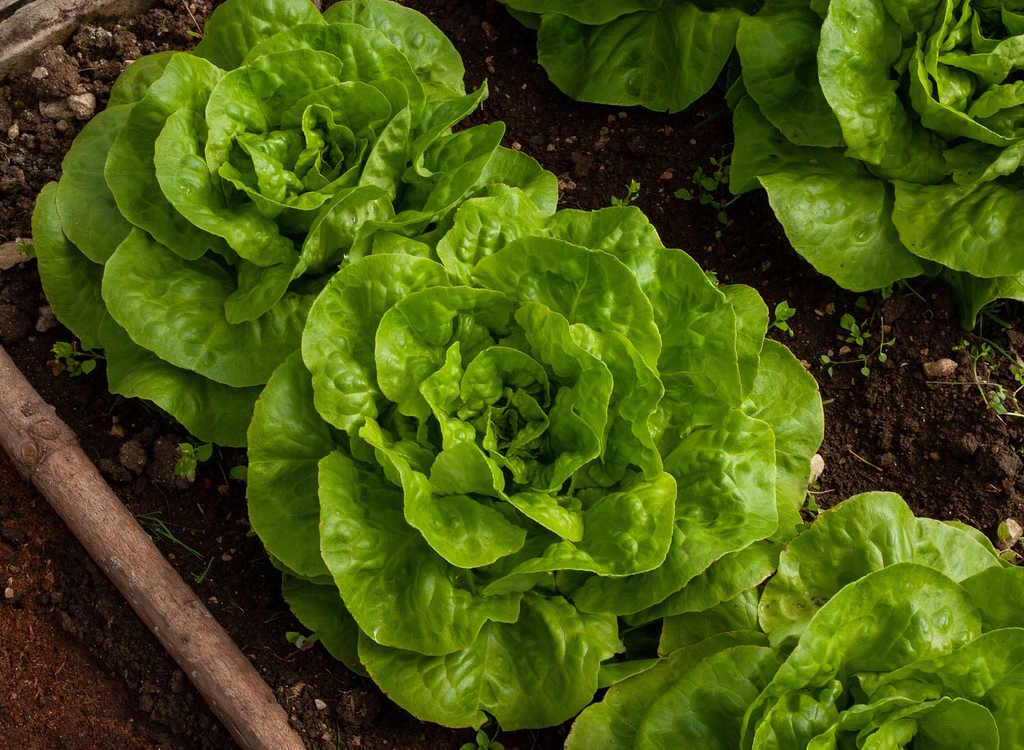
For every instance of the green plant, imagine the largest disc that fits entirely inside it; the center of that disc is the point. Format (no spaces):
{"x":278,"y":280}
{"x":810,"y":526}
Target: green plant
{"x":69,"y":359}
{"x":661,"y":54}
{"x":708,"y":186}
{"x":632,"y":191}
{"x":482,"y":742}
{"x":783,"y":313}
{"x":857,"y":335}
{"x":479,"y":464}
{"x":190,"y":456}
{"x":994,"y":394}
{"x":300,"y":641}
{"x":879,"y":630}
{"x":198,"y":216}
{"x":897,"y":149}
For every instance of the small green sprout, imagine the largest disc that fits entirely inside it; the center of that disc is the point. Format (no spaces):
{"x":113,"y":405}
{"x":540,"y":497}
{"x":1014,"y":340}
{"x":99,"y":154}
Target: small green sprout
{"x":300,"y":641}
{"x":857,"y":335}
{"x":707,"y":185}
{"x":70,"y":359}
{"x":482,"y":742}
{"x":189,"y":458}
{"x":632,"y":192}
{"x":783,"y":313}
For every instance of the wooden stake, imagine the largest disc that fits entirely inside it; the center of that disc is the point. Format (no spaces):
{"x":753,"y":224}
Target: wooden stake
{"x":46,"y":452}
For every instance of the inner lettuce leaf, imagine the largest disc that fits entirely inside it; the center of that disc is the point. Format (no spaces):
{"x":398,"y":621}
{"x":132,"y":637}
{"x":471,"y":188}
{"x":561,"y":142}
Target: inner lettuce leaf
{"x":201,"y":213}
{"x":888,"y":137}
{"x":491,"y":454}
{"x":659,"y":54}
{"x":879,"y":630}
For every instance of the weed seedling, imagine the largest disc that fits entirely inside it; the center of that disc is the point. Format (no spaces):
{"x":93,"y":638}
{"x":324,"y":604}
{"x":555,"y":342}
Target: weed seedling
{"x":783,"y":313}
{"x":856,"y":334}
{"x":707,"y":186}
{"x":189,"y":458}
{"x":632,"y":193}
{"x":995,"y":395}
{"x":482,"y":742}
{"x":300,"y":641}
{"x":68,"y":358}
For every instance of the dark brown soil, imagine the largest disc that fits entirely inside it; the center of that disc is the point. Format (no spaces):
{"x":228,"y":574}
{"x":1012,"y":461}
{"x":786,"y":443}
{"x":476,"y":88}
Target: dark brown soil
{"x":78,"y":670}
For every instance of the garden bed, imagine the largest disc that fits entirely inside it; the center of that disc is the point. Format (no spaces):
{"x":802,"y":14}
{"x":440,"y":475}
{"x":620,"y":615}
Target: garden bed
{"x":77,"y":669}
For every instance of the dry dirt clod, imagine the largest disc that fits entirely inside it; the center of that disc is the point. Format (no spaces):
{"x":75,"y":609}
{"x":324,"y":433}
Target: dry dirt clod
{"x":940,"y":368}
{"x":46,"y":321}
{"x":133,"y":456}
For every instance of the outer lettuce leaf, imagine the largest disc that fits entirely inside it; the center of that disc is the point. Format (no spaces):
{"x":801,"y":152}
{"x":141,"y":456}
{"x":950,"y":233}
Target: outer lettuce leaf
{"x":663,"y":59}
{"x":432,"y":55}
{"x":235,"y":28}
{"x":695,"y":697}
{"x":539,"y":671}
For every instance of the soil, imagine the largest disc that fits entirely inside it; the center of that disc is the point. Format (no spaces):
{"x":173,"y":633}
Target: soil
{"x":78,"y":670}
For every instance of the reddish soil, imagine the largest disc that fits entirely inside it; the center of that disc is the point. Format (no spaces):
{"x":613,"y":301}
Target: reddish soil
{"x":78,"y":670}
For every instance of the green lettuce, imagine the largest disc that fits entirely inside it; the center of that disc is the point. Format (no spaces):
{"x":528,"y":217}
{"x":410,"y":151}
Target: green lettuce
{"x":880,"y":630}
{"x":888,"y":137}
{"x":199,"y":215}
{"x":479,"y":465}
{"x":660,"y":54}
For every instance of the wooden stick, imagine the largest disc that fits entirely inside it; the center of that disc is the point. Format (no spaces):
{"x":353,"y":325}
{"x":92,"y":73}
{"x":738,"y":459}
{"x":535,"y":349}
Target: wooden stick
{"x":29,"y":27}
{"x":47,"y":453}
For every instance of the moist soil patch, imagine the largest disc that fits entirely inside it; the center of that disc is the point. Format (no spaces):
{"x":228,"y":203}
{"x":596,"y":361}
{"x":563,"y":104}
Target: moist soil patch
{"x":78,"y":670}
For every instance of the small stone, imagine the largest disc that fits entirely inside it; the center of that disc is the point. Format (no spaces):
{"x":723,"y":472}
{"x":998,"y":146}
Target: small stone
{"x":226,"y":557}
{"x":46,"y":320}
{"x":320,"y":705}
{"x":11,"y":255}
{"x":82,"y":106}
{"x":14,"y":131}
{"x":58,"y":110}
{"x":40,"y":73}
{"x":133,"y":456}
{"x":667,"y":175}
{"x":817,"y":467}
{"x":844,"y":350}
{"x":8,"y":593}
{"x":940,"y":368}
